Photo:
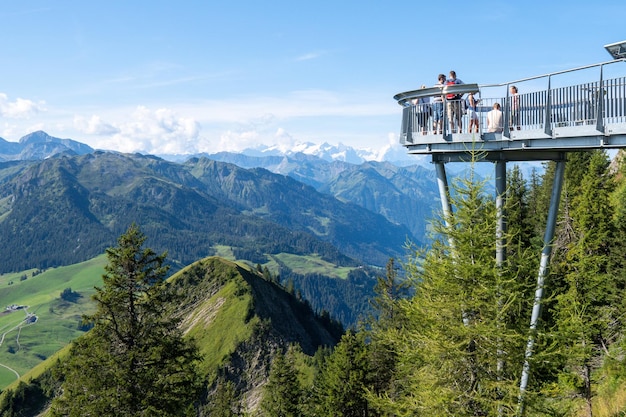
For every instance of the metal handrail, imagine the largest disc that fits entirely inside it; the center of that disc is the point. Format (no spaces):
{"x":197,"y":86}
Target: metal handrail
{"x":536,"y":77}
{"x":457,"y":89}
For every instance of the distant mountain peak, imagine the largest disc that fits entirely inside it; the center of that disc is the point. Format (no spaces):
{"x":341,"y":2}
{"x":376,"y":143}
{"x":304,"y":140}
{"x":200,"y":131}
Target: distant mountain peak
{"x":39,"y":145}
{"x":37,"y":137}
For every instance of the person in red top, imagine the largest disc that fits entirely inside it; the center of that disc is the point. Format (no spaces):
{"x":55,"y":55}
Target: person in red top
{"x":453,"y":106}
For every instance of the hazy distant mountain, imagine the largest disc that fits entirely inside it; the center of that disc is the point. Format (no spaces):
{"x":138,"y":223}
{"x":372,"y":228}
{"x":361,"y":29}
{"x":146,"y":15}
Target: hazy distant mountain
{"x":404,"y":195}
{"x":330,"y":153}
{"x":40,"y":145}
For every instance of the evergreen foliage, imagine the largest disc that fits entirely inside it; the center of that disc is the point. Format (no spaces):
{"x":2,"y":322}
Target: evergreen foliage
{"x":459,"y":353}
{"x":341,"y":388}
{"x":224,"y":402}
{"x":134,"y":361}
{"x":283,"y":393}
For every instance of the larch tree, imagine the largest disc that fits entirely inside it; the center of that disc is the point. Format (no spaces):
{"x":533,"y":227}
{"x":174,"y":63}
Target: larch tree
{"x":458,"y":352}
{"x":135,"y":360}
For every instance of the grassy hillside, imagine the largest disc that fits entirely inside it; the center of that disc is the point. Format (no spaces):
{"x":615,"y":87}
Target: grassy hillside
{"x":24,"y":345}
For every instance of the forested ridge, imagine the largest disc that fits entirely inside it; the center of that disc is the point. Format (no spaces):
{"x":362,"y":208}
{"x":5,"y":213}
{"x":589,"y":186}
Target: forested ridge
{"x":67,"y":209}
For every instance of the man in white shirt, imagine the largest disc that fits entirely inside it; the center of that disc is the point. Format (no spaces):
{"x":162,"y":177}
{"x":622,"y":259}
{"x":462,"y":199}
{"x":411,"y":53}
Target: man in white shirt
{"x":494,"y":119}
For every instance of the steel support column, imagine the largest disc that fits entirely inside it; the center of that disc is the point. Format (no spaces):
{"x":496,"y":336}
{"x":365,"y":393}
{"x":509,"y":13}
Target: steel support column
{"x":501,"y":219}
{"x":543,"y":269}
{"x":500,"y":250}
{"x":444,"y":192}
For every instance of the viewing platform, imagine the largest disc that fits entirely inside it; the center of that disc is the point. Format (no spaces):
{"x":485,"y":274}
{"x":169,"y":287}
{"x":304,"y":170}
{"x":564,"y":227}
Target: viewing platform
{"x":536,"y":125}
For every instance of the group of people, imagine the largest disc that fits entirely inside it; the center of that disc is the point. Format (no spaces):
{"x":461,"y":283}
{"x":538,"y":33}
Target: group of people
{"x":456,"y":107}
{"x":426,"y":108}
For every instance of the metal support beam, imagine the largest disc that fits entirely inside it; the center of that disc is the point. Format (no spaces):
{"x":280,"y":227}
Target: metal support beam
{"x":600,"y":103}
{"x":444,"y":192}
{"x":501,"y":216}
{"x":555,"y":200}
{"x":500,"y":251}
{"x":547,"y":126}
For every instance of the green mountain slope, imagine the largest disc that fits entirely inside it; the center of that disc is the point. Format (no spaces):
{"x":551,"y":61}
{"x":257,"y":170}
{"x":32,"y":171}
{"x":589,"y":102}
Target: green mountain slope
{"x":241,"y":320}
{"x":65,"y":210}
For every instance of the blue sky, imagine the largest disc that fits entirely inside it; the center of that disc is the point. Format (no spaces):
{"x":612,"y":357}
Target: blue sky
{"x":204,"y":76}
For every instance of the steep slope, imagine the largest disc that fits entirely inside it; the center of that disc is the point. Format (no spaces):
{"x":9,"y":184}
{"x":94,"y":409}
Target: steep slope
{"x":405,"y":195}
{"x":241,"y":321}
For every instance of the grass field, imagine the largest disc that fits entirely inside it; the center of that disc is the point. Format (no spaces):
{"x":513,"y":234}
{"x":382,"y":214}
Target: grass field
{"x":313,"y":265}
{"x":300,"y":264}
{"x":24,"y":346}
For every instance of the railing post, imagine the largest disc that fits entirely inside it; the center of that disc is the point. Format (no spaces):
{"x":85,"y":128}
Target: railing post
{"x":600,"y":104}
{"x":507,"y":115}
{"x":547,"y":128}
{"x":447,"y":131}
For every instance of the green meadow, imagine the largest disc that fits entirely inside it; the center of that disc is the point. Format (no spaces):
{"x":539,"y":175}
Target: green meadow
{"x":25,"y":345}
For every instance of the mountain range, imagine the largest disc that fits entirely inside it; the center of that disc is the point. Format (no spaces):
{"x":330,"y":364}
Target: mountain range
{"x":326,"y":227}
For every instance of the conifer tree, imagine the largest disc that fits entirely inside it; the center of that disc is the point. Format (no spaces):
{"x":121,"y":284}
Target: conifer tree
{"x":282,"y":394}
{"x":341,"y":389}
{"x":224,"y":402}
{"x":588,"y":309}
{"x":134,"y":361}
{"x":456,"y":329}
{"x":389,"y":290}
{"x":617,"y":265}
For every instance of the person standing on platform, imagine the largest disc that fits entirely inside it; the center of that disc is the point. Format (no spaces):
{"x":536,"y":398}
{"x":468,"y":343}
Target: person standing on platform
{"x":515,"y":107}
{"x":472,"y":104}
{"x":437,"y":106}
{"x":454,"y":105}
{"x":494,"y":120}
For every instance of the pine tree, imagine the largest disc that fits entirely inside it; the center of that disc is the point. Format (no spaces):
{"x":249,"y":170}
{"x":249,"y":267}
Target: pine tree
{"x":224,"y":402}
{"x":134,"y":361}
{"x":283,"y":394}
{"x":617,"y":267}
{"x":389,"y":290}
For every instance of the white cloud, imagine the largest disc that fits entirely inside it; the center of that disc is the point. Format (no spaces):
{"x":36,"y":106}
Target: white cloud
{"x":19,"y":108}
{"x":308,"y":56}
{"x":144,"y":130}
{"x":94,"y":126}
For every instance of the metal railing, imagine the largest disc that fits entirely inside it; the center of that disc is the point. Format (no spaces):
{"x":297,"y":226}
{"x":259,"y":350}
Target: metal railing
{"x":592,"y":105}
